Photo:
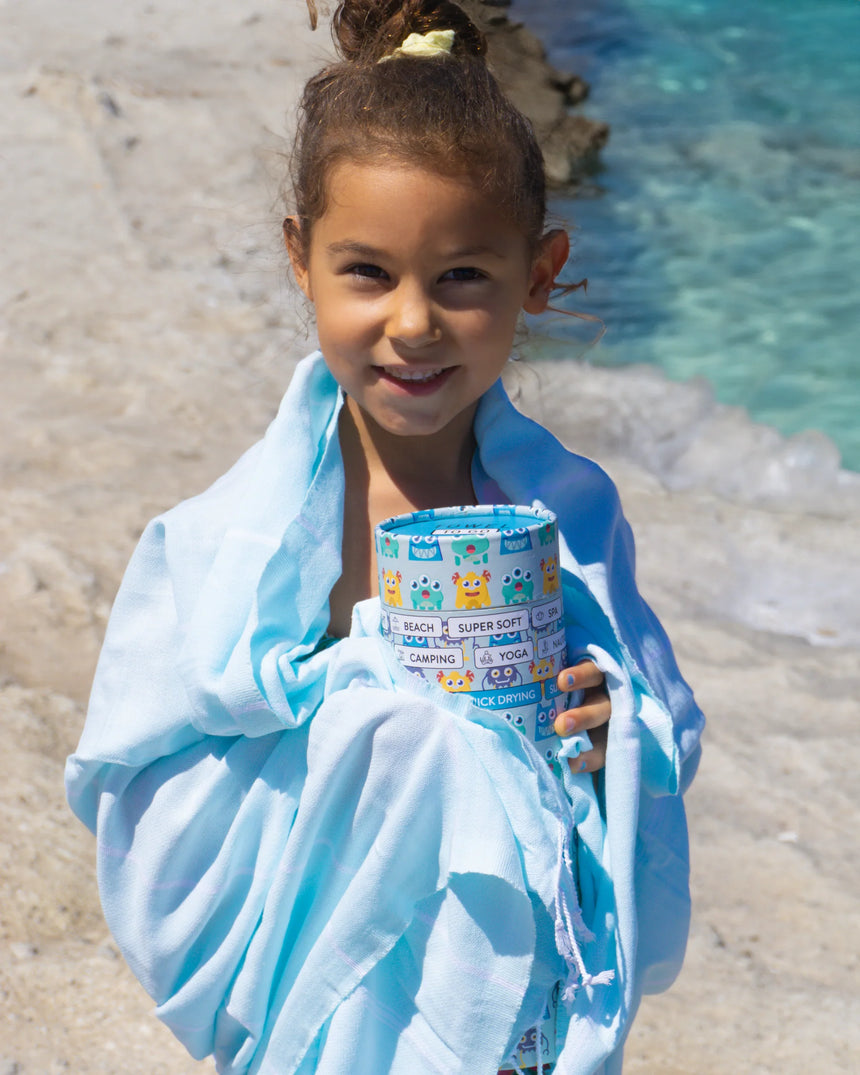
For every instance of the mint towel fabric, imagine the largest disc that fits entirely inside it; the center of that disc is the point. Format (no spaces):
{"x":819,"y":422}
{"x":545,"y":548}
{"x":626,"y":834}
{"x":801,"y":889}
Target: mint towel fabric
{"x":315,"y":862}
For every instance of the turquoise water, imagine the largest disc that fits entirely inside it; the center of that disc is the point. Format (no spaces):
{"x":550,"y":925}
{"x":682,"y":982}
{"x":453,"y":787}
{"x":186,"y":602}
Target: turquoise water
{"x":721,"y":236}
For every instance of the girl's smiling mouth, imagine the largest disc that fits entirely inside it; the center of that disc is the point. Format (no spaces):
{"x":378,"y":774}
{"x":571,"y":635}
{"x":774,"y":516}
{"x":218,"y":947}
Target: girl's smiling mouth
{"x":415,"y":381}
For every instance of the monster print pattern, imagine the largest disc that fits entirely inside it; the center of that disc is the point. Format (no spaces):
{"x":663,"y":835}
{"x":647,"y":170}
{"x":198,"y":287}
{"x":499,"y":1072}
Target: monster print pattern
{"x":472,"y":589}
{"x":389,"y":546}
{"x":549,"y":567}
{"x":424,"y":547}
{"x":426,"y":593}
{"x":542,"y":669}
{"x":547,"y":534}
{"x":546,"y":715}
{"x":501,"y":677}
{"x":518,"y":540}
{"x":455,"y":681}
{"x":517,"y":586}
{"x":471,"y":550}
{"x":470,"y":600}
{"x":391,"y":589}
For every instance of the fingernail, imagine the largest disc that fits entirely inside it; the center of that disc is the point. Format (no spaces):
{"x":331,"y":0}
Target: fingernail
{"x":571,"y":682}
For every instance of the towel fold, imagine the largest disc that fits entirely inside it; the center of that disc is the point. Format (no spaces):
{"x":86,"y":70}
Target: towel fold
{"x":314,"y":861}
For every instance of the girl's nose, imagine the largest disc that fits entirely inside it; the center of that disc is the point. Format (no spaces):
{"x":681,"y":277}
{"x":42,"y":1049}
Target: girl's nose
{"x":412,"y":321}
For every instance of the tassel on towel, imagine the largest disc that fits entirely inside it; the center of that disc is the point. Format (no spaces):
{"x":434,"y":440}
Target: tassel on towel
{"x":568,"y":924}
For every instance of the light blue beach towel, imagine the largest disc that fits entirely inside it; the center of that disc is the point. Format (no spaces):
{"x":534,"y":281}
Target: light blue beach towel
{"x":316,"y":863}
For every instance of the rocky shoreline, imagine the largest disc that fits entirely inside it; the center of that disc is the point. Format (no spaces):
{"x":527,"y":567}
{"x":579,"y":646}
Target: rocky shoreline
{"x":571,"y":142}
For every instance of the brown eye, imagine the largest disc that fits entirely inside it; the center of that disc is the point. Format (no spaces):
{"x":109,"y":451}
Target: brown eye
{"x":463,"y":275}
{"x":367,"y":272}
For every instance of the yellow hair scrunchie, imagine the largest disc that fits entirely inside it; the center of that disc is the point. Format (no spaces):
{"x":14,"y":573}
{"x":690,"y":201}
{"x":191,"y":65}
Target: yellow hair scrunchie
{"x":425,"y":46}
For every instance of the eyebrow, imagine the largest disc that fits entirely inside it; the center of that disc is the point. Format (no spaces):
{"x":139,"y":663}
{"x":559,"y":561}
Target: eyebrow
{"x":349,"y":246}
{"x":474,"y":252}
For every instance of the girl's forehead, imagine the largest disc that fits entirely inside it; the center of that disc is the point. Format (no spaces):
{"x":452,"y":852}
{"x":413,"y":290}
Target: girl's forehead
{"x":394,"y":196}
{"x":403,"y":180}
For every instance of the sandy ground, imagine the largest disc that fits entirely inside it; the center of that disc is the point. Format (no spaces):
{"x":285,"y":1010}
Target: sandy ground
{"x":148,"y":331}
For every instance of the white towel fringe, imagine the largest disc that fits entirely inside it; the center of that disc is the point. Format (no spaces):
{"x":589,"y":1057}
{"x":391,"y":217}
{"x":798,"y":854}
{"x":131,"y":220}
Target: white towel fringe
{"x":569,"y":924}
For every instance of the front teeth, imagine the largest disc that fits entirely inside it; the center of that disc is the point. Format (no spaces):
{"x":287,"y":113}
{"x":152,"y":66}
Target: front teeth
{"x":413,"y":375}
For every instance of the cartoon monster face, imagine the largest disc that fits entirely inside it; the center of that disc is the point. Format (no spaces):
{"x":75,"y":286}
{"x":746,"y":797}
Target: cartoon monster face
{"x":517,"y":721}
{"x":471,"y":549}
{"x":546,"y":534}
{"x":426,"y":593}
{"x":501,"y":677}
{"x":391,"y":588}
{"x":472,"y":589}
{"x":505,"y":639}
{"x":455,"y":681}
{"x":424,"y":547}
{"x":528,"y":1042}
{"x":542,"y":669}
{"x":389,"y":545}
{"x":545,"y":723}
{"x":517,"y":586}
{"x":547,"y":714}
{"x":512,"y":541}
{"x":422,"y":641}
{"x":549,"y":567}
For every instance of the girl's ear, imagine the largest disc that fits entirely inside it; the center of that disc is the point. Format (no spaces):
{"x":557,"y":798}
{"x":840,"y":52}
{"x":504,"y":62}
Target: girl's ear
{"x":548,"y":263}
{"x":293,"y":241}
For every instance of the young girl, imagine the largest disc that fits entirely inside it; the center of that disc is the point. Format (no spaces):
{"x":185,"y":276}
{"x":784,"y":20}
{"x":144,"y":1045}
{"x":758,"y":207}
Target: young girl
{"x":313,"y":862}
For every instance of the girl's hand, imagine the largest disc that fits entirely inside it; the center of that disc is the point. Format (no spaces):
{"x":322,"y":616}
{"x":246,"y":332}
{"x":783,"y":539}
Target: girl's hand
{"x":592,"y":715}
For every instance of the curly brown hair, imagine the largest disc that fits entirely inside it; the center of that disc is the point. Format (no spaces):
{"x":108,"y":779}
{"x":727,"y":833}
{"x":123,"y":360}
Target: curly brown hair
{"x":446,"y":113}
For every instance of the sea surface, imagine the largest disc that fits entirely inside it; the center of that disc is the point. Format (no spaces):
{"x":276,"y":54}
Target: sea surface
{"x":721,"y":234}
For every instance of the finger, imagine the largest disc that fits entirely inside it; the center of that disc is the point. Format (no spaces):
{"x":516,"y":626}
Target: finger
{"x":592,"y":761}
{"x":580,"y":677}
{"x":596,"y":709}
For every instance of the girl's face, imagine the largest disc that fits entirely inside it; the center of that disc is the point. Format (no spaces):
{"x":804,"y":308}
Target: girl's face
{"x":417,"y":281}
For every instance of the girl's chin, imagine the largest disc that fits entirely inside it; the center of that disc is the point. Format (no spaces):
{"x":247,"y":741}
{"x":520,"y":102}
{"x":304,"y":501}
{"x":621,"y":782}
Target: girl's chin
{"x":405,"y":416}
{"x":444,"y":424}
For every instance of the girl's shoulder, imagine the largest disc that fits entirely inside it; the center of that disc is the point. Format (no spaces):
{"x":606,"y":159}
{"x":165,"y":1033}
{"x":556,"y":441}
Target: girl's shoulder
{"x":262,"y":489}
{"x":242,"y":517}
{"x":522,"y":455}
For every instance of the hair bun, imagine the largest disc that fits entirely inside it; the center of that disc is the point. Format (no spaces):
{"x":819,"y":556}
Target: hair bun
{"x":366,"y":30}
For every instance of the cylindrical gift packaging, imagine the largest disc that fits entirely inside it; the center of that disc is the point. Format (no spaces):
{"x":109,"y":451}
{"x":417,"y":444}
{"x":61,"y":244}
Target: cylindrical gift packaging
{"x":471,"y":600}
